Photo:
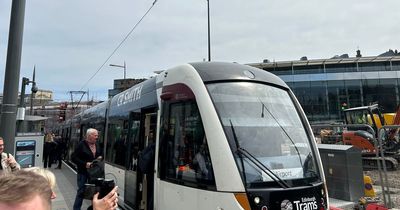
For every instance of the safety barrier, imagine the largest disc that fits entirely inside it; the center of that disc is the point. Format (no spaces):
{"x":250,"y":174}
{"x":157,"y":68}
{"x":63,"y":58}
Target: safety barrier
{"x":377,"y":144}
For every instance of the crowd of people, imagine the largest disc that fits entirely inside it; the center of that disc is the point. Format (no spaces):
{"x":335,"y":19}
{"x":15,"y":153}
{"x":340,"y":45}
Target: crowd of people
{"x":34,"y":187}
{"x":53,"y":150}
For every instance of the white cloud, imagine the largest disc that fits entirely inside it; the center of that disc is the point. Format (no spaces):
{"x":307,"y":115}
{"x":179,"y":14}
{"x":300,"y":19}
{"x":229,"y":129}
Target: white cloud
{"x":69,"y":40}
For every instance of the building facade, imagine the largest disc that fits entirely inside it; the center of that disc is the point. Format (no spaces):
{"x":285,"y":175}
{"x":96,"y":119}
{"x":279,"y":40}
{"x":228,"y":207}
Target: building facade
{"x":121,"y":85}
{"x":326,"y":86}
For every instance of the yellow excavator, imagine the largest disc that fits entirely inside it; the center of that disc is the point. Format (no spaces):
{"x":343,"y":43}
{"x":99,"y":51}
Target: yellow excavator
{"x":363,"y":138}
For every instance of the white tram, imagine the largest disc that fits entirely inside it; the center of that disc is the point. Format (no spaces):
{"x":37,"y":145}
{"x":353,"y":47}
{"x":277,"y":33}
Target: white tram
{"x":227,"y":136}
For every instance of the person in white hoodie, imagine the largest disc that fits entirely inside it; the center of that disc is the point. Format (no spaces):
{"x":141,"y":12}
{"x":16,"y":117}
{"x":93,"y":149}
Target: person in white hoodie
{"x":8,"y":163}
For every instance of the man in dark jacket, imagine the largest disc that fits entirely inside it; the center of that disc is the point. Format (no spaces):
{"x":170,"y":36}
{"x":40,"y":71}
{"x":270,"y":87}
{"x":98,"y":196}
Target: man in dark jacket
{"x":146,"y":166}
{"x":59,"y":151}
{"x":85,"y":153}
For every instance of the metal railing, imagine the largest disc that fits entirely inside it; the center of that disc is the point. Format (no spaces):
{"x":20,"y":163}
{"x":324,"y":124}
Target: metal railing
{"x":377,"y":145}
{"x":385,"y":129}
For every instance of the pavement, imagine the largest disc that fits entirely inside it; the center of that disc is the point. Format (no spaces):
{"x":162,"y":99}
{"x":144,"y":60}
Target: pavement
{"x":341,"y":203}
{"x":66,"y":189}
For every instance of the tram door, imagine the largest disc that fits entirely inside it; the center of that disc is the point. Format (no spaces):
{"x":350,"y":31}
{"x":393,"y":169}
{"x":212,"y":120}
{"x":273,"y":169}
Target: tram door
{"x":146,"y":184}
{"x":130,"y":188}
{"x":142,"y":128}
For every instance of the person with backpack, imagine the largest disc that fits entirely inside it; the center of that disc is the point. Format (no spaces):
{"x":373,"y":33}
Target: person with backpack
{"x":84,"y":156}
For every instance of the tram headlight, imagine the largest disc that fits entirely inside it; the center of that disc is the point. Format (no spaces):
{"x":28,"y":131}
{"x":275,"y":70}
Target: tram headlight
{"x":257,"y":200}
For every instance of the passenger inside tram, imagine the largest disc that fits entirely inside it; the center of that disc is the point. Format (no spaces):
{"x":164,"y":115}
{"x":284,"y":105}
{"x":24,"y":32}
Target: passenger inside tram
{"x":199,"y":163}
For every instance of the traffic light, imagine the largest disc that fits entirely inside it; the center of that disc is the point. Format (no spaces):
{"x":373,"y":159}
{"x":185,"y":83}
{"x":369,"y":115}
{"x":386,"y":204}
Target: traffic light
{"x":62,"y":111}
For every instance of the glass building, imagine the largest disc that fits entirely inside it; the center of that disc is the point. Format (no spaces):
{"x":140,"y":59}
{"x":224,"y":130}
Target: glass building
{"x":325,"y":86}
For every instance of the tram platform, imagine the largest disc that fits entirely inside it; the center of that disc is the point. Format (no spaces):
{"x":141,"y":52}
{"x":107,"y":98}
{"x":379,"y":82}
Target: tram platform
{"x":66,"y":189}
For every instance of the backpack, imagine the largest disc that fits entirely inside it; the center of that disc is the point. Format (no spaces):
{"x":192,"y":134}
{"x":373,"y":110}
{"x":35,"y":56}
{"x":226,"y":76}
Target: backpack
{"x":96,"y":171}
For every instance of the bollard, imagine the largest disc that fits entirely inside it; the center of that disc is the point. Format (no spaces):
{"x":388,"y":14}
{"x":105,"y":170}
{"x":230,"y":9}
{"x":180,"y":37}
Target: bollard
{"x":368,"y":189}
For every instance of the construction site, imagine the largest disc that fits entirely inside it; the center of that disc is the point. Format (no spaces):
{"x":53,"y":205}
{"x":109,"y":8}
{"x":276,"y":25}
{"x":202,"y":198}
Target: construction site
{"x":361,"y":158}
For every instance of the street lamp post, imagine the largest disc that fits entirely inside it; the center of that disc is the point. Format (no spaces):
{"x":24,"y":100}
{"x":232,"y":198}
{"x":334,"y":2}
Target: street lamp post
{"x":33,"y":89}
{"x":21,"y":109}
{"x":124,"y":67}
{"x":11,"y":76}
{"x":120,"y":66}
{"x":208,"y":15}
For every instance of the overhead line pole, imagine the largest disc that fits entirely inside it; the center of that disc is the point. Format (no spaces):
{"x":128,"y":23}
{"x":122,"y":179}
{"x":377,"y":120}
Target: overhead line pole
{"x":11,"y":78}
{"x":209,"y":45}
{"x":72,"y":98}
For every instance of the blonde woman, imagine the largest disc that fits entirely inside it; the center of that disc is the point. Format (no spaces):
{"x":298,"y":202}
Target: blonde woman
{"x":48,"y":150}
{"x":48,"y":175}
{"x":24,"y":190}
{"x":109,"y":202}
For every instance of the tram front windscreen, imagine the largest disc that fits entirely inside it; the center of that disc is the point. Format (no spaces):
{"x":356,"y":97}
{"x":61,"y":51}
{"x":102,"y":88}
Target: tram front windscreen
{"x":266,"y":133}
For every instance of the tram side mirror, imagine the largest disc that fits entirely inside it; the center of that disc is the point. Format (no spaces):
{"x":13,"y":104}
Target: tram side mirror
{"x":166,"y":96}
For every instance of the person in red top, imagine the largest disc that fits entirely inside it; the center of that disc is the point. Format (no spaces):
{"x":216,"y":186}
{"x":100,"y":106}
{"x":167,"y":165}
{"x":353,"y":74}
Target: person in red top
{"x":85,"y":153}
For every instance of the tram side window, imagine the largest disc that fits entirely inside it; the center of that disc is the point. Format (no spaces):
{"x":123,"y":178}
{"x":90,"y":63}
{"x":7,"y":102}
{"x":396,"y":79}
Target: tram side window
{"x":116,"y":142}
{"x":186,"y":158}
{"x":82,"y":135}
{"x":100,"y":128}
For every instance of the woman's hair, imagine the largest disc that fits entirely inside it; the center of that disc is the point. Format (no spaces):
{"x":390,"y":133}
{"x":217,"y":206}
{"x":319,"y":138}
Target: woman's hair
{"x":48,"y":175}
{"x":22,"y":186}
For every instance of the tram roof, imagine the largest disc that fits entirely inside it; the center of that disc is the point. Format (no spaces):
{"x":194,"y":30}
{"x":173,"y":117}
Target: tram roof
{"x":96,"y":111}
{"x":224,"y":71}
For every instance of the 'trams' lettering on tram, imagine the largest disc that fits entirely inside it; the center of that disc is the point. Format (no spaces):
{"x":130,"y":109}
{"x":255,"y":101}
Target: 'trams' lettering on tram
{"x":306,"y":204}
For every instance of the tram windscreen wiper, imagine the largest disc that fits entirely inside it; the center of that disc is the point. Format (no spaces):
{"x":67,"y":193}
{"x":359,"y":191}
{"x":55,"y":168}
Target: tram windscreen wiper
{"x":284,"y":131}
{"x":256,"y":162}
{"x":264,"y":168}
{"x":240,"y":157}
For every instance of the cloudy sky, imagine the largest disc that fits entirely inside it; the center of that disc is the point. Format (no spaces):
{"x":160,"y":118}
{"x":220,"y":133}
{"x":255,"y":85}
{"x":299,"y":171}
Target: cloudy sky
{"x":68,"y":41}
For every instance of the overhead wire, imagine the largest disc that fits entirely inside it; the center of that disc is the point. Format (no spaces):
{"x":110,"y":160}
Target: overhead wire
{"x":119,"y":45}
